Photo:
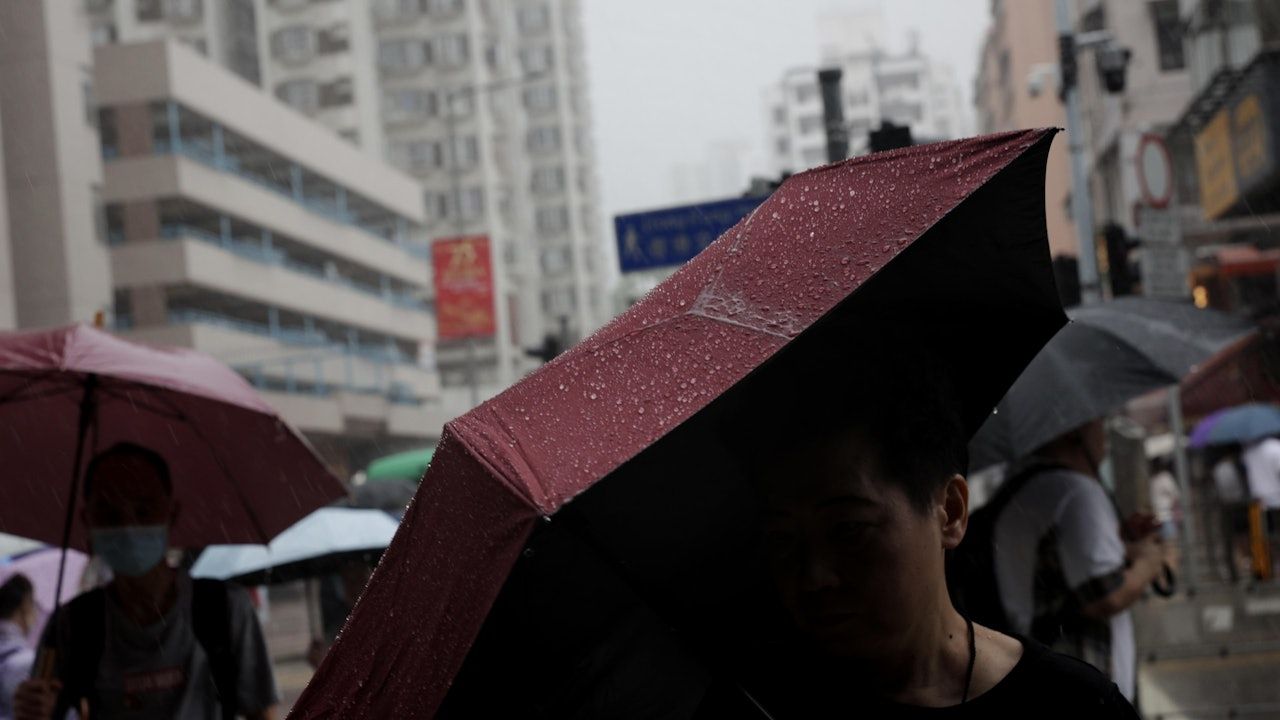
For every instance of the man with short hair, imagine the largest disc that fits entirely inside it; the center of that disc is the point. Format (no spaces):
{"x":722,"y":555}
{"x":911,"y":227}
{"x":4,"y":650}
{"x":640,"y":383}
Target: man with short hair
{"x":153,"y":643}
{"x":17,"y":617}
{"x":861,"y":504}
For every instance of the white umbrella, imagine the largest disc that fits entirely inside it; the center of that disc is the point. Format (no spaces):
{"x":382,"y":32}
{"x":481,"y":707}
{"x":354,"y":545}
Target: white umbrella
{"x":312,"y":546}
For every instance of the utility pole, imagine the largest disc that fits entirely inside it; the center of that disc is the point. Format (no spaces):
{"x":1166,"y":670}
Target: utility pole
{"x":1081,"y":200}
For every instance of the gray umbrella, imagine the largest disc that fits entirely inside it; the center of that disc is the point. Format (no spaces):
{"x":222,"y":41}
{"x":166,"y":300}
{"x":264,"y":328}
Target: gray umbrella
{"x":1109,"y":354}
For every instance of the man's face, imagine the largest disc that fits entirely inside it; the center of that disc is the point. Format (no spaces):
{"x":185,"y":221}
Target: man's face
{"x":127,"y":490}
{"x":855,"y":564}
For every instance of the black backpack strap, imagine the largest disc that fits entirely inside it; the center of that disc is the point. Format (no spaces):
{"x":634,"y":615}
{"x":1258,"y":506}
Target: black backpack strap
{"x":211,"y":621}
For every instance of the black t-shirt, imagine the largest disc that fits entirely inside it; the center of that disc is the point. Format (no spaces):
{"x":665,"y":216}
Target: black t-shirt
{"x":1043,"y":684}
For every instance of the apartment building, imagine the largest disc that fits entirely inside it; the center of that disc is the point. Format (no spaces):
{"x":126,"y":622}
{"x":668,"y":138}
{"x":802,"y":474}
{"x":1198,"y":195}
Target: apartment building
{"x":241,"y":229}
{"x":485,"y":102}
{"x":877,"y":86}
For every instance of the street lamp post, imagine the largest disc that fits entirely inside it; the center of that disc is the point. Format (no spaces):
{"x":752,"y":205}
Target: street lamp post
{"x":1081,"y":200}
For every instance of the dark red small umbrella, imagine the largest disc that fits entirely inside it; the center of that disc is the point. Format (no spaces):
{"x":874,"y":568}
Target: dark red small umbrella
{"x":240,"y":473}
{"x":945,"y":242}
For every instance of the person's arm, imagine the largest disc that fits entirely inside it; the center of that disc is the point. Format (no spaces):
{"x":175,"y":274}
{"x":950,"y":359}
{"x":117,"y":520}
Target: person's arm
{"x":1146,"y":566}
{"x":1095,"y":561}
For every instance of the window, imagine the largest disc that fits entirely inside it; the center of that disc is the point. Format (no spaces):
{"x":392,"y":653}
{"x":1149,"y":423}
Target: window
{"x":334,"y":39}
{"x":540,"y":98}
{"x":103,"y":35}
{"x":543,"y":139}
{"x":403,"y":55}
{"x":150,"y":10}
{"x":805,"y":93}
{"x":302,"y":95}
{"x":556,"y":260}
{"x":552,"y":220}
{"x":810,"y":124}
{"x":859,"y":97}
{"x":536,"y":60}
{"x":548,"y":180}
{"x":443,"y":8}
{"x":779,"y":114}
{"x":462,"y":103}
{"x":1168,"y":28}
{"x":406,"y":104}
{"x":814,"y":156}
{"x":416,"y":155}
{"x":472,"y":203}
{"x":584,"y":180}
{"x":582,"y":140}
{"x":396,"y":10}
{"x":465,"y":153}
{"x":902,"y":80}
{"x":185,"y":10}
{"x":292,"y":44}
{"x":533,"y":18}
{"x":87,"y":97}
{"x":452,"y":50}
{"x":338,"y":93}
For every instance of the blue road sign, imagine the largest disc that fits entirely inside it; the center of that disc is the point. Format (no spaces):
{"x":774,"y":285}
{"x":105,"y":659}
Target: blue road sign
{"x":672,"y":236}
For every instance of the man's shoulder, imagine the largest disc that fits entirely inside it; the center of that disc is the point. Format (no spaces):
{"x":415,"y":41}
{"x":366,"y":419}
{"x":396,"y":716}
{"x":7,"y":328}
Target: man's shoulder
{"x":1052,"y":486}
{"x":1056,"y":680}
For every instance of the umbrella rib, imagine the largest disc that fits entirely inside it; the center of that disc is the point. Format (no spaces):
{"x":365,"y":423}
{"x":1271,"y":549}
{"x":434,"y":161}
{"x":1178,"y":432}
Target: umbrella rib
{"x":14,"y":395}
{"x":226,"y":473}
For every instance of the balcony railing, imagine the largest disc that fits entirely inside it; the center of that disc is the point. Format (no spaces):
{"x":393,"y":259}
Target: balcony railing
{"x":274,"y":256}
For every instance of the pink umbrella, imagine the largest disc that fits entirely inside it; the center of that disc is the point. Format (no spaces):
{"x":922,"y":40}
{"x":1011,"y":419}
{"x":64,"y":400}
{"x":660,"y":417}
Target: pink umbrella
{"x":240,"y":473}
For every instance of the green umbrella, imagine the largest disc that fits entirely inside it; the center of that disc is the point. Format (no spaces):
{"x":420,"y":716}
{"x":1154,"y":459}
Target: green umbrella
{"x":408,"y":465}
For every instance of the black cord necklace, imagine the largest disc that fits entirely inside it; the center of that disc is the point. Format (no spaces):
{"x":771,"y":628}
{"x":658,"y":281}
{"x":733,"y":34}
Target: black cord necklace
{"x":973,"y":655}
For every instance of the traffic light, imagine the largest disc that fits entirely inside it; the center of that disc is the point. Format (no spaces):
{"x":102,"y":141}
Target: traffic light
{"x":1067,"y":61}
{"x":1113,"y":64}
{"x":549,"y":350}
{"x":890,"y":137}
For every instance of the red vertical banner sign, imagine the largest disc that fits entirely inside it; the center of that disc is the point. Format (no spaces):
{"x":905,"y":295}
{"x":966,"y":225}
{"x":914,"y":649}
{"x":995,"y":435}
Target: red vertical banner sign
{"x":463,"y":273}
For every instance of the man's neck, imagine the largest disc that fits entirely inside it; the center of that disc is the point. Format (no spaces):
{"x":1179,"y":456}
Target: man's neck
{"x":146,"y":598}
{"x":929,"y":668}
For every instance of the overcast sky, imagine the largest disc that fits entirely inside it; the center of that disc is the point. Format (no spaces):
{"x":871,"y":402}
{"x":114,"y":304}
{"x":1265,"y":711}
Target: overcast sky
{"x":673,"y":79}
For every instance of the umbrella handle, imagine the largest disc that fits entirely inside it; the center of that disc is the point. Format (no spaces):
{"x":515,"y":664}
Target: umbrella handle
{"x":1166,"y":584}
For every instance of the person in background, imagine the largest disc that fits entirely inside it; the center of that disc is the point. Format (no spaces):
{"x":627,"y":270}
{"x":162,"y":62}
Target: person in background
{"x":153,"y":643}
{"x":1067,"y":570}
{"x":17,"y":617}
{"x":1166,"y":499}
{"x":1262,"y":467}
{"x":1233,"y":508}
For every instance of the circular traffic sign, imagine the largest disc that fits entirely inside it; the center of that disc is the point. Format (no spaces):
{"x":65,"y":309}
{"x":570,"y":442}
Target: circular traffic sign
{"x":1155,"y":171}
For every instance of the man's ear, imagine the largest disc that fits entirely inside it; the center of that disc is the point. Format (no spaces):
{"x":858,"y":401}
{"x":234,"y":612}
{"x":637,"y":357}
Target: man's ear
{"x":953,"y":511}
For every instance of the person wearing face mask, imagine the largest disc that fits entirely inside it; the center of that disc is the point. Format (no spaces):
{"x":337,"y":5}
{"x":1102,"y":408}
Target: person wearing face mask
{"x":1067,"y":568}
{"x":153,"y":643}
{"x":17,"y":616}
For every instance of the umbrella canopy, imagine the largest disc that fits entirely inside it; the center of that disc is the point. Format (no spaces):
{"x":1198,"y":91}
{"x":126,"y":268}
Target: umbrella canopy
{"x":1109,"y":354}
{"x":408,"y":465}
{"x":41,"y":568}
{"x":1237,"y":425}
{"x":240,"y":473}
{"x":312,"y":547}
{"x":943,"y":243}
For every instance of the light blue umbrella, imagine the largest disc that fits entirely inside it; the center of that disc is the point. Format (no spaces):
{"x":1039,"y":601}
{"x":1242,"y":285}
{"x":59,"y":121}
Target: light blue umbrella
{"x":1242,"y":424}
{"x":313,"y":546}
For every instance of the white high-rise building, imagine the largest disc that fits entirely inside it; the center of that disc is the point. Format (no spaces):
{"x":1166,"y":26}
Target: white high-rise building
{"x":877,"y":86}
{"x":484,"y":101}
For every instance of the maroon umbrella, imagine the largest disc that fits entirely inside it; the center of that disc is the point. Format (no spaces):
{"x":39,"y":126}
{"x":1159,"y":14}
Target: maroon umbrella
{"x":614,"y":597}
{"x":240,"y":473}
